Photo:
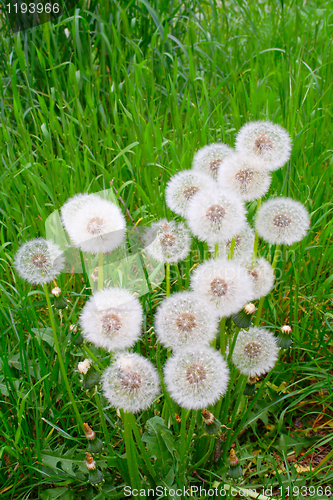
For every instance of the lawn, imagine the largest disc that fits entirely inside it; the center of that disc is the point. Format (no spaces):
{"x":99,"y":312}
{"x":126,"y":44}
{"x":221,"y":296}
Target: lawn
{"x":120,"y":96}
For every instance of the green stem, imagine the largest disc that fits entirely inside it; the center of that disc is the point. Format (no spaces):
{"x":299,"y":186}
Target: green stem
{"x":100,"y":271}
{"x":222,"y":336}
{"x":256,"y":239}
{"x":142,"y":448}
{"x":232,"y":248}
{"x":105,"y":429}
{"x":182,"y":464}
{"x":132,"y":463}
{"x":167,"y":278}
{"x":60,"y":358}
{"x":261,"y":301}
{"x":216,"y":252}
{"x":168,"y":400}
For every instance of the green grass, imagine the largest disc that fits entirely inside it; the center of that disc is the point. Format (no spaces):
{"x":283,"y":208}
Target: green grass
{"x":130,"y":95}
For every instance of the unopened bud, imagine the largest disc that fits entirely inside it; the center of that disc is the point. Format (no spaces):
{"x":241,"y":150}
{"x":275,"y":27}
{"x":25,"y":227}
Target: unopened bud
{"x":207,"y":417}
{"x":252,"y":380}
{"x":233,"y":460}
{"x":73,"y":328}
{"x":286,"y":329}
{"x":250,"y":308}
{"x":56,"y":291}
{"x":84,"y":366}
{"x":89,"y":432}
{"x":90,"y":462}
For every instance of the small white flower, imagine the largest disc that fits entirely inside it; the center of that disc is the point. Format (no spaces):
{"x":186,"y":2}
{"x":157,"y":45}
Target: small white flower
{"x":262,"y":276}
{"x":184,"y":318}
{"x":245,"y":175}
{"x":182,"y":187}
{"x":214,"y":215}
{"x":243,"y":248}
{"x":196,"y":376}
{"x":209,"y":159}
{"x":39,"y":261}
{"x":112,"y":319}
{"x":131,"y":382}
{"x":224,"y":283}
{"x":83,"y":366}
{"x":255,"y":351}
{"x":282,"y":221}
{"x":94,"y":224}
{"x":265,"y":140}
{"x":168,"y":241}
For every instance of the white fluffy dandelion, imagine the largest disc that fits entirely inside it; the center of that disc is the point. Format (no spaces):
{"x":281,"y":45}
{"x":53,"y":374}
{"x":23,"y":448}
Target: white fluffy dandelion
{"x":196,"y":376}
{"x":265,"y":140}
{"x":225,"y":284}
{"x":209,"y":159}
{"x":39,"y":261}
{"x":262,"y":276}
{"x":214,"y":215}
{"x":243,"y":248}
{"x":255,"y":351}
{"x":183,"y":186}
{"x":282,"y":221}
{"x":131,"y":382}
{"x":185,"y":319}
{"x":94,"y":225}
{"x":168,"y":241}
{"x":112,"y":319}
{"x":244,"y":175}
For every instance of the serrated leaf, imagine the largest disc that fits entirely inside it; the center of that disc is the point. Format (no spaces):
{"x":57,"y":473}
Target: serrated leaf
{"x":45,"y":334}
{"x":161,"y":445}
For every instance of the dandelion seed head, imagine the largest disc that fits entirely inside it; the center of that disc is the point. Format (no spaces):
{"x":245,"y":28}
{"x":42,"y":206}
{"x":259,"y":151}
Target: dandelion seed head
{"x":245,"y":175}
{"x":243,"y":248}
{"x":39,"y":261}
{"x":215,"y":216}
{"x":94,"y":224}
{"x":131,"y":382}
{"x":168,"y":241}
{"x":210,"y":159}
{"x":255,"y":351}
{"x":262,"y":276}
{"x":282,"y":221}
{"x":184,"y":319}
{"x":183,"y":186}
{"x":224,"y":284}
{"x":196,"y":376}
{"x":266,"y":141}
{"x":112,"y":319}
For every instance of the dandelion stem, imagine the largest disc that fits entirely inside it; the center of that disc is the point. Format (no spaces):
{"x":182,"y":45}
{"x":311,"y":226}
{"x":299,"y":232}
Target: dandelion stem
{"x":132,"y":463}
{"x":232,"y":248}
{"x":167,"y":278}
{"x":216,"y":253}
{"x":60,"y":358}
{"x":100,"y":271}
{"x":182,"y":463}
{"x":256,"y":238}
{"x":261,"y":301}
{"x":222,"y":336}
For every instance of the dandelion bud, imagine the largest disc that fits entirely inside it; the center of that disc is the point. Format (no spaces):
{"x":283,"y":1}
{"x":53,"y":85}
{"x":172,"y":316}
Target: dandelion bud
{"x":90,"y":462}
{"x":250,"y":388}
{"x":211,"y":424}
{"x":95,"y":475}
{"x":250,"y":308}
{"x":84,"y":366}
{"x":235,"y":469}
{"x":207,"y":417}
{"x":284,"y":341}
{"x":73,"y":328}
{"x":59,"y":300}
{"x":56,"y":291}
{"x":244,"y":316}
{"x":95,"y":445}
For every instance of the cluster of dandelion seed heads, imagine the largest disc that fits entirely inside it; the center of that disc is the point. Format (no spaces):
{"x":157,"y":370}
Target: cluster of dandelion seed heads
{"x":226,"y":285}
{"x":255,"y":351}
{"x":131,"y":382}
{"x":210,"y":159}
{"x":262,"y":275}
{"x":282,"y":221}
{"x":39,"y":261}
{"x":266,"y":141}
{"x":168,"y":241}
{"x":182,"y":187}
{"x":196,"y":376}
{"x":215,"y":215}
{"x":112,"y":319}
{"x":244,"y":175}
{"x":94,"y":224}
{"x":184,"y":319}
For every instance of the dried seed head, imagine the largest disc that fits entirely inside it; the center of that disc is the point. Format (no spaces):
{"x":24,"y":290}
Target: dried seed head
{"x":244,"y":175}
{"x":110,"y":322}
{"x":263,"y":143}
{"x":89,"y":432}
{"x":215,"y":214}
{"x":281,"y":220}
{"x":129,"y":380}
{"x":207,"y":417}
